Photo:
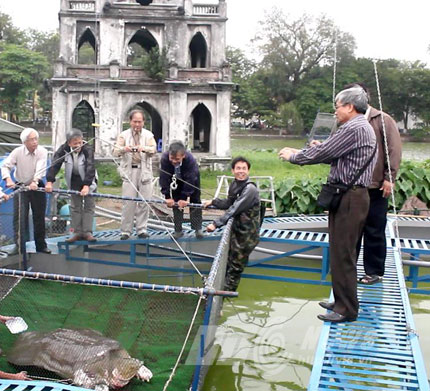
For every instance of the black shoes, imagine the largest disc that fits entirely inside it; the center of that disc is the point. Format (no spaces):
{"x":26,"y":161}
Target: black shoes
{"x":143,"y":235}
{"x":124,"y":237}
{"x":45,"y":250}
{"x":334,"y":317}
{"x":326,"y":305}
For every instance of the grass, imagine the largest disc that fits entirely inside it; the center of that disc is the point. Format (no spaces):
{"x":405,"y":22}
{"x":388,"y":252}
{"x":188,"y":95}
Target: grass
{"x":261,"y":151}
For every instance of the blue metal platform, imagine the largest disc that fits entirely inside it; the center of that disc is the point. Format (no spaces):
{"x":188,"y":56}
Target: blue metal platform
{"x":20,"y":385}
{"x":380,"y":350}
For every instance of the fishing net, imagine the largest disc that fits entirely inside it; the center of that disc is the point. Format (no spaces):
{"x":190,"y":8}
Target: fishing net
{"x":150,"y":326}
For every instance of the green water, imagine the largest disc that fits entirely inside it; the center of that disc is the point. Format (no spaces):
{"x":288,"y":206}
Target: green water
{"x":266,"y":339}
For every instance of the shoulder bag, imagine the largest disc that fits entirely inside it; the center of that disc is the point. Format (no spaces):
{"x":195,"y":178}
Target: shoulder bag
{"x":331,"y":193}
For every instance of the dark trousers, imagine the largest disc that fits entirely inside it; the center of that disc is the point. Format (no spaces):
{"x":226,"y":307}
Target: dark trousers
{"x":21,"y":207}
{"x":245,"y":235}
{"x":345,"y":228}
{"x":374,"y":240}
{"x":195,"y":214}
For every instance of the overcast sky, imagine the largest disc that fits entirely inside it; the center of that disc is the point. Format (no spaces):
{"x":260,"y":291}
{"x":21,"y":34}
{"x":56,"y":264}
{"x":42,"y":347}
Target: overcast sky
{"x":382,"y":28}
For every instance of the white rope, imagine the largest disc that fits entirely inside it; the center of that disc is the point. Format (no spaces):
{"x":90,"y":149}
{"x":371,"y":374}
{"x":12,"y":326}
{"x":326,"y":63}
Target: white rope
{"x":183,"y":346}
{"x":334,"y":71}
{"x":387,"y":155}
{"x":152,"y":210}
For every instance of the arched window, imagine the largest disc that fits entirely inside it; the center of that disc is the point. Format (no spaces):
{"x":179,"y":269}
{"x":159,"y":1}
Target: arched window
{"x":201,"y":128}
{"x":83,"y":119}
{"x":140,"y":44}
{"x":198,"y":51}
{"x":87,"y":48}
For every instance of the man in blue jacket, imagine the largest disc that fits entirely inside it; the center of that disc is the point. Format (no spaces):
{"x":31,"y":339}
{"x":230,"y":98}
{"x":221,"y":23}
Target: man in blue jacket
{"x":180,"y":183}
{"x":80,"y":175}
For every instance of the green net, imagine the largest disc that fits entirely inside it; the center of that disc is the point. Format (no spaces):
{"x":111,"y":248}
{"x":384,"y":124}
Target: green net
{"x":151,"y":326}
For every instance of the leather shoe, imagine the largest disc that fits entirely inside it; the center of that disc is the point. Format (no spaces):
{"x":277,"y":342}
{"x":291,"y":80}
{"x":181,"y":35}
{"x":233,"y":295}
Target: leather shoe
{"x":124,"y":237}
{"x":90,"y":238}
{"x":73,"y":239}
{"x":45,"y":250}
{"x":334,"y":317}
{"x":143,"y":235}
{"x":326,"y":305}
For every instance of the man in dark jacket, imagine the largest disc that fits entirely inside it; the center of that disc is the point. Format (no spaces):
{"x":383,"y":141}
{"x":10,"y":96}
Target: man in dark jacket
{"x":80,"y":175}
{"x":243,"y":204}
{"x":180,"y":183}
{"x":380,"y":189}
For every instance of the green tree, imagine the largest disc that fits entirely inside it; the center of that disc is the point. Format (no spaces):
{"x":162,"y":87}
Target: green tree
{"x":47,"y":43}
{"x":292,"y":48}
{"x":21,"y":72}
{"x":290,"y":118}
{"x":250,"y":96}
{"x":8,"y":32}
{"x":155,"y":63}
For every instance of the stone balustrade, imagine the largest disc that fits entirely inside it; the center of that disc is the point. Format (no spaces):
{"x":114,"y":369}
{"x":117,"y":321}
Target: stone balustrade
{"x":82,"y":5}
{"x":205,"y":9}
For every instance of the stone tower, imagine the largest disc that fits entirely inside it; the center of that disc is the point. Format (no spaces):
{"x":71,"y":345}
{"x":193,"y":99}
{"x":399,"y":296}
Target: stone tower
{"x":101,"y":74}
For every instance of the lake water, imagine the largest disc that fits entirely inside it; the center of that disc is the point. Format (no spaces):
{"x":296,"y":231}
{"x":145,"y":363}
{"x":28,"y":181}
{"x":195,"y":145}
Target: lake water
{"x":267,"y":337}
{"x":411,"y":150}
{"x":416,"y":151}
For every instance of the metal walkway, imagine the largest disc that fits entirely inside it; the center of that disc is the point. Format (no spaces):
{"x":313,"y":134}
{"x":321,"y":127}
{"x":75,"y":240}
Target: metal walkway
{"x":20,"y":385}
{"x":380,"y":350}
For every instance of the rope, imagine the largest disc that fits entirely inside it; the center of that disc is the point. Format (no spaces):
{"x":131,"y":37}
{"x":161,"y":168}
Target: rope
{"x":117,"y":197}
{"x":160,"y":221}
{"x":183,"y":346}
{"x":334,"y":71}
{"x":387,"y":155}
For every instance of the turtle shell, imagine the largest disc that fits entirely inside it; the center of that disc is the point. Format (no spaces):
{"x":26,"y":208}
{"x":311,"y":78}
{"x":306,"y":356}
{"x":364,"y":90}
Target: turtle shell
{"x":84,"y":355}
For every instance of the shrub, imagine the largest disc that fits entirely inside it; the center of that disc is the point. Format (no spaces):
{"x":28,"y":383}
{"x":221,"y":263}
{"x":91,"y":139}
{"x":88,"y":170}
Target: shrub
{"x":298,"y":195}
{"x":108,"y":172}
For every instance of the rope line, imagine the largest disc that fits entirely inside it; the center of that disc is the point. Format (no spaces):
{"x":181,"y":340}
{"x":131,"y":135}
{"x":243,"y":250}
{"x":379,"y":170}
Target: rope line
{"x":158,"y":218}
{"x":387,"y":155}
{"x":334,"y":71}
{"x":183,"y":346}
{"x":117,"y":197}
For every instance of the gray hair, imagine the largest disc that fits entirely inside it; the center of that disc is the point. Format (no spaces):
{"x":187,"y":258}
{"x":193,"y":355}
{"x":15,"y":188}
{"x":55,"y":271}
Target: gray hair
{"x":26,"y":132}
{"x":74,"y":133}
{"x":355,"y":96}
{"x":176,"y":147}
{"x":136,"y":111}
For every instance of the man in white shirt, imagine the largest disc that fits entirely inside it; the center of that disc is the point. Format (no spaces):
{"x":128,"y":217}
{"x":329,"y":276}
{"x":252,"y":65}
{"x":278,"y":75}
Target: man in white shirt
{"x":29,"y":162}
{"x":135,"y":146}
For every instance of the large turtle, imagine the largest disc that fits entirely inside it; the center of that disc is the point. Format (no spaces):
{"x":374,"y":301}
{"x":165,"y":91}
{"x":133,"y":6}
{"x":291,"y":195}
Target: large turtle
{"x":85,"y":356}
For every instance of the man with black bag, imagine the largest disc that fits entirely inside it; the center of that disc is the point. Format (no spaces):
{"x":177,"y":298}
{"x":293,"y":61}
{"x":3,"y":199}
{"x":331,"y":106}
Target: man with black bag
{"x":351,"y":152}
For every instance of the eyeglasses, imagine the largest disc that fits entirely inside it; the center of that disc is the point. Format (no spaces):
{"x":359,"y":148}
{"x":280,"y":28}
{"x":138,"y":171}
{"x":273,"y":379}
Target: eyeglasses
{"x":337,"y":107}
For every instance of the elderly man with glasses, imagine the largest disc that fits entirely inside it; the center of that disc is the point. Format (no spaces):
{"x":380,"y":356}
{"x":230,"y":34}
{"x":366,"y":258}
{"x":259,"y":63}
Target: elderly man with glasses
{"x":350,"y":149}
